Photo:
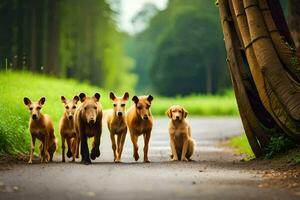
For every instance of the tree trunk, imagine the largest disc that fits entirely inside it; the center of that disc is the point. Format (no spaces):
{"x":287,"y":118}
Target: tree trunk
{"x":53,"y":38}
{"x":294,"y":22}
{"x":33,"y":45}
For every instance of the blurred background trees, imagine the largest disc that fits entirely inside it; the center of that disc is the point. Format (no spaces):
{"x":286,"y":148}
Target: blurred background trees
{"x":175,"y":51}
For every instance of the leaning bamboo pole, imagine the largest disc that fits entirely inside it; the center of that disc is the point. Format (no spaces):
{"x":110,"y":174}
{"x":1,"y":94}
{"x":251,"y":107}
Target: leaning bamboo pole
{"x":285,"y":52}
{"x":284,"y":87}
{"x":250,"y":122}
{"x":273,"y":107}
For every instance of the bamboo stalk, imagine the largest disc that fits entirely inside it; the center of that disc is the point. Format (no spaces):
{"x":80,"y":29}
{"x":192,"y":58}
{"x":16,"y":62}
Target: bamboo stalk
{"x":250,"y":122}
{"x":285,"y":89}
{"x":272,"y":106}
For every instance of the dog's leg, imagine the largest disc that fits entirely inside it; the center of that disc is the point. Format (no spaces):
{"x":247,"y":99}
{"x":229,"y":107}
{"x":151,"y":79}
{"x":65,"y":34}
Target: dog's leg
{"x":190,"y":149}
{"x":146,"y":144}
{"x":113,"y":145}
{"x":173,"y":148}
{"x":84,"y":149}
{"x":63,"y":148}
{"x":31,"y":149}
{"x":122,"y":144}
{"x":73,"y":142}
{"x":95,"y":153}
{"x":77,"y":140}
{"x":69,"y":143}
{"x":184,"y":149}
{"x":118,"y":147}
{"x":46,"y":155}
{"x":134,"y":139}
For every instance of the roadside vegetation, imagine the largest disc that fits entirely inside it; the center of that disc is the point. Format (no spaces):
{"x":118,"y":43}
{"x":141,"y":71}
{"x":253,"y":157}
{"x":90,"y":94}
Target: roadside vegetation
{"x":280,"y":147}
{"x":15,"y":85}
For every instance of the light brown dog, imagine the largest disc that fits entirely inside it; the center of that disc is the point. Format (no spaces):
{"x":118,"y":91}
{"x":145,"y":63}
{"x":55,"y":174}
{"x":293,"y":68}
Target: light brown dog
{"x":116,"y":124}
{"x":67,"y":128}
{"x":41,"y":127}
{"x":139,"y":121}
{"x":88,"y":123}
{"x":182,"y":144}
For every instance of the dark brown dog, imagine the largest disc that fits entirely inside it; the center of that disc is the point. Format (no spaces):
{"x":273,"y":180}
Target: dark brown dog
{"x":41,"y":127}
{"x":139,"y":121}
{"x":88,"y":123}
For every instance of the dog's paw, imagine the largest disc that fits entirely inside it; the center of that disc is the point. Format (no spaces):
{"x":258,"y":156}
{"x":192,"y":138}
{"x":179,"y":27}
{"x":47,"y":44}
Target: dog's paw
{"x":136,"y":156}
{"x":117,"y":161}
{"x":86,"y":161}
{"x":147,"y":161}
{"x":95,"y":153}
{"x":69,"y":153}
{"x":63,"y":160}
{"x":184,"y":159}
{"x":174,"y":159}
{"x":30,"y":162}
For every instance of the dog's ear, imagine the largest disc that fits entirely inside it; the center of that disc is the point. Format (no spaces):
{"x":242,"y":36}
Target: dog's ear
{"x":42,"y":101}
{"x":27,"y":101}
{"x":184,"y":113}
{"x":75,"y":99}
{"x":82,"y":97}
{"x":169,"y":112}
{"x":97,"y":96}
{"x":150,"y":98}
{"x":135,"y":99}
{"x":63,"y":99}
{"x":126,"y":96}
{"x":112,"y":96}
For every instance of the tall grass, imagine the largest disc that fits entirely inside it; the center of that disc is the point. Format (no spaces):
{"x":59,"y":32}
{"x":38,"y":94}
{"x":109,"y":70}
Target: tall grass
{"x":14,"y":115}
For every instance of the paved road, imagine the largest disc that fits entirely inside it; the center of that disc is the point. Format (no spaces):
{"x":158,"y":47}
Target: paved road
{"x":214,"y":174}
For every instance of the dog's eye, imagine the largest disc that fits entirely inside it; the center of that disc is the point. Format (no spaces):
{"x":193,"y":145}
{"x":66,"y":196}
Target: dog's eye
{"x":84,"y":108}
{"x":180,"y":111}
{"x":123,"y":104}
{"x":67,"y":107}
{"x":115,"y":105}
{"x":148,"y":106}
{"x":139,"y":107}
{"x":74,"y":107}
{"x":30,"y":108}
{"x":95,"y":108}
{"x":38,"y":108}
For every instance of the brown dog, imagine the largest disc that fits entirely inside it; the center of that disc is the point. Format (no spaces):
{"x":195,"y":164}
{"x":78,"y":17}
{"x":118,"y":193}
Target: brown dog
{"x":67,"y":128}
{"x":182,"y":144}
{"x":41,"y":127}
{"x":88,"y":123}
{"x":139,"y":120}
{"x":117,"y":125}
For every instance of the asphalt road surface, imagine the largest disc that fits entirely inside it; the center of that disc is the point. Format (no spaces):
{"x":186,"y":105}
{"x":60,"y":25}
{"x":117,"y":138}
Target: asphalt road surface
{"x":214,"y":174}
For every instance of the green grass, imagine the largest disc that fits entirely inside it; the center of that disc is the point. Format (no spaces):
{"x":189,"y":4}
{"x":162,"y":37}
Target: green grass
{"x":14,"y":115}
{"x":241,"y":146}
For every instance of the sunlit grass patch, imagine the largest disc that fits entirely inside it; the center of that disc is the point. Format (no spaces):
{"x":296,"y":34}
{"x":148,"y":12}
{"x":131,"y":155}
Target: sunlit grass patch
{"x":241,"y":146}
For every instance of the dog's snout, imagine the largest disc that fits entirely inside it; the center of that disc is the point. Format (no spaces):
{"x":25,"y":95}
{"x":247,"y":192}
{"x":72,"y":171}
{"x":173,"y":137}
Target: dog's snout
{"x":177,"y":117}
{"x":120,"y":114}
{"x":34,"y":116}
{"x":70,"y":117}
{"x":92,"y":121}
{"x":145,"y":117}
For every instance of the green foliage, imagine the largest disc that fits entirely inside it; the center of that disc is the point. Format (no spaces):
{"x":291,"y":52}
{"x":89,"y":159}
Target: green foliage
{"x":74,"y":39}
{"x":279,"y":144}
{"x":201,"y":105}
{"x":181,"y":52}
{"x":241,"y":144}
